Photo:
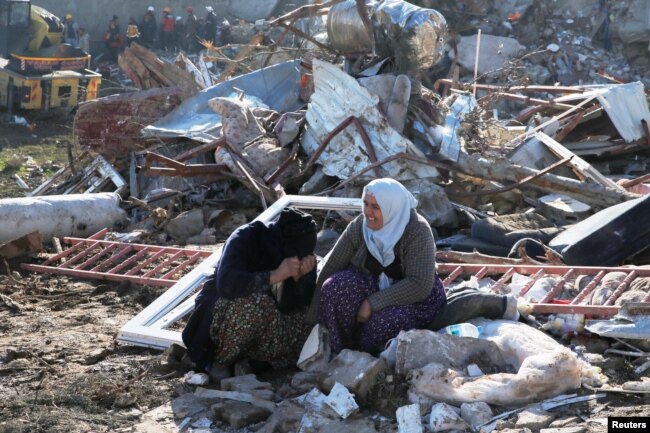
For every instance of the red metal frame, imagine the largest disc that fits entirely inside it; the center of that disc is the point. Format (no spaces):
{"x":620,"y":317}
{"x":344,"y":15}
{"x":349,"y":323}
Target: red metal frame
{"x":548,"y":304}
{"x":116,"y":261}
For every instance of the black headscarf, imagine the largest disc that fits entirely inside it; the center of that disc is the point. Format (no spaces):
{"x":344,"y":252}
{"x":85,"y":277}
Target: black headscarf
{"x":298,"y":232}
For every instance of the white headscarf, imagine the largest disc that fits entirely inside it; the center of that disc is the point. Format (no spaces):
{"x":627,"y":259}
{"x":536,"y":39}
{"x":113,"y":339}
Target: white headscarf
{"x":396,"y":203}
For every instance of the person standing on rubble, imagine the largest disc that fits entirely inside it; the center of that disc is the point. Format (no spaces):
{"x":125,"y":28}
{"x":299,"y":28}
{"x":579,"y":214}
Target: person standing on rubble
{"x":132,"y":32}
{"x":113,"y":39}
{"x":380,"y":277}
{"x":167,"y":30}
{"x":179,"y":34}
{"x":148,"y":28}
{"x":253,"y":307}
{"x":191,"y":24}
{"x":71,"y":31}
{"x":210,"y":24}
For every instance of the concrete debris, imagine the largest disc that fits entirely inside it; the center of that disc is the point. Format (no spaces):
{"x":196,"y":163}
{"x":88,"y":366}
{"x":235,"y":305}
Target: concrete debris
{"x":494,"y":52}
{"x":316,"y":351}
{"x":341,"y":401}
{"x":357,"y":371}
{"x":409,"y":419}
{"x":444,"y":417}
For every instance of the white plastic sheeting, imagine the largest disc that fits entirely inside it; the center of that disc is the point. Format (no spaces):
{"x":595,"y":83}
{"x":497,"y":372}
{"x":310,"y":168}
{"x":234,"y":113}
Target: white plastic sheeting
{"x":276,"y":87}
{"x":625,"y":104}
{"x":338,"y":96}
{"x":544,"y":368}
{"x":78,"y":215}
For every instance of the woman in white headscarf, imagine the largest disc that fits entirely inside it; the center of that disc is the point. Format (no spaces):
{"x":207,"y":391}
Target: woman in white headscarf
{"x":380,"y":277}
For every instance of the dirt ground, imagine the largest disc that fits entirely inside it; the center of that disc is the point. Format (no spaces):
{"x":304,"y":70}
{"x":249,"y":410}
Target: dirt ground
{"x":61,"y":369}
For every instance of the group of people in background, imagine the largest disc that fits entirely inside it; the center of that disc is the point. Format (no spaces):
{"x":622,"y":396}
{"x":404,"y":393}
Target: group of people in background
{"x":170,"y":34}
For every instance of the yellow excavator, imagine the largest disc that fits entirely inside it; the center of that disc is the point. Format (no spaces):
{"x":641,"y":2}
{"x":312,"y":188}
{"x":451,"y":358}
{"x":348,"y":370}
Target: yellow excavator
{"x":37,"y":70}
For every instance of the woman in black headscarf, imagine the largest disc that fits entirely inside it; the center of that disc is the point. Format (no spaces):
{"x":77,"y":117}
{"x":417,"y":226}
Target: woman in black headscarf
{"x":253,"y":306}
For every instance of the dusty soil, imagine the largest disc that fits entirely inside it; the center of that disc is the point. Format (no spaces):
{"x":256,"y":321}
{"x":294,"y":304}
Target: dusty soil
{"x":61,"y":369}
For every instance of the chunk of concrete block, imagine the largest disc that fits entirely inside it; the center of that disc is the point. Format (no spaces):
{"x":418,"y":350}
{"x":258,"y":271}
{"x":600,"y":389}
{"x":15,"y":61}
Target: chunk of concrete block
{"x":314,"y":400}
{"x":494,"y":53}
{"x":357,"y":371}
{"x":316,"y":351}
{"x":185,"y":225}
{"x":409,"y":419}
{"x":311,"y":423}
{"x":419,"y":347}
{"x":285,"y":418}
{"x":304,"y":380}
{"x":475,"y":414}
{"x":535,"y":419}
{"x":239,"y":414}
{"x":341,"y":401}
{"x":445,"y":417}
{"x":248,"y":383}
{"x":188,"y":405}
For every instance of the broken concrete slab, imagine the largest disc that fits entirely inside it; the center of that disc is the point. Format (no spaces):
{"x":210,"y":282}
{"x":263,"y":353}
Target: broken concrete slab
{"x":534,"y":419}
{"x":316,"y":351}
{"x":409,"y":419}
{"x":444,"y":417}
{"x":341,"y":401}
{"x":284,"y":419}
{"x":357,"y":371}
{"x":476,"y":413}
{"x":249,"y":384}
{"x":185,"y":225}
{"x":494,"y":52}
{"x":419,"y":347}
{"x":239,"y":414}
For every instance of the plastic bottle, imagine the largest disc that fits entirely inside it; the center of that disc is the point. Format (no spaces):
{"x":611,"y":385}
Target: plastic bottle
{"x":462,"y":330}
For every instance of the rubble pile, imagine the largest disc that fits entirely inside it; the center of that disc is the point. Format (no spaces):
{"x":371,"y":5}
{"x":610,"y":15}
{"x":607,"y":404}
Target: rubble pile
{"x":520,"y":127}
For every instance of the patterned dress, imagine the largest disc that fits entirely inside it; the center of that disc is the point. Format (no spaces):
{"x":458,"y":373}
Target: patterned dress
{"x":253,"y":328}
{"x":342,"y":295}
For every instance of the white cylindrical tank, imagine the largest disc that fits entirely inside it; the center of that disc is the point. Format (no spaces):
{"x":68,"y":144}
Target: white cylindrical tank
{"x":60,"y":215}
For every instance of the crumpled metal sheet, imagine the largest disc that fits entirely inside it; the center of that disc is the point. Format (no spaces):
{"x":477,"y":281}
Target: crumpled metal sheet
{"x":625,"y":104}
{"x":338,"y":96}
{"x":634,"y":325}
{"x":415,"y":36}
{"x":277,"y":87}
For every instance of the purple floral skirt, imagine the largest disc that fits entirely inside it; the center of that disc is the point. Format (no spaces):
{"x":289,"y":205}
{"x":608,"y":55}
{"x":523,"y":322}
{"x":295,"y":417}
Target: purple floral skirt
{"x":343,"y":293}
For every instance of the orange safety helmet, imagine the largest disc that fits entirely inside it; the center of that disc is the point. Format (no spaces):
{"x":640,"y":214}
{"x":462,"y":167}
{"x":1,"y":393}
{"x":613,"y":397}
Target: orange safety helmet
{"x":167,"y":10}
